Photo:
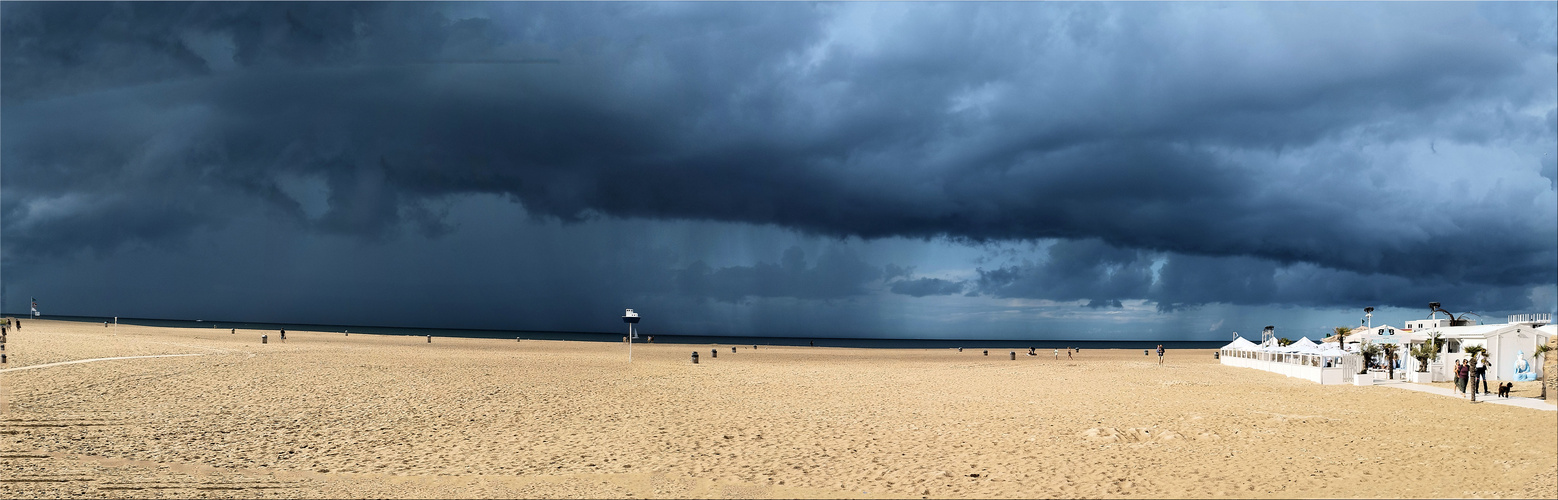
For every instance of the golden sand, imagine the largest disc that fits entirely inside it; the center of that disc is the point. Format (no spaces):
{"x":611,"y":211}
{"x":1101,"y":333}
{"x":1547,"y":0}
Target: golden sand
{"x":324,"y":415}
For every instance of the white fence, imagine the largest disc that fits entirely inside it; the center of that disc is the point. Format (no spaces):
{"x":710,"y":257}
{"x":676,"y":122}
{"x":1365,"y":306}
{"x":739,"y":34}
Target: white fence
{"x":1325,"y":370}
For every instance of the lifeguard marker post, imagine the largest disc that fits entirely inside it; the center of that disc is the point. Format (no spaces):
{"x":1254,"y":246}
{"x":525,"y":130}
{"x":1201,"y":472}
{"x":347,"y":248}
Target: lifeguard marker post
{"x":631,"y":318}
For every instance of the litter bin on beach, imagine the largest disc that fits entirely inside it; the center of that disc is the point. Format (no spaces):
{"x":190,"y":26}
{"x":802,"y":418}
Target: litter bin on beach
{"x":695,"y":357}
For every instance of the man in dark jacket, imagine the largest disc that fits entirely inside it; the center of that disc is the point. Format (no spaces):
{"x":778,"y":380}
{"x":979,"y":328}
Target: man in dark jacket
{"x":1482,"y":374}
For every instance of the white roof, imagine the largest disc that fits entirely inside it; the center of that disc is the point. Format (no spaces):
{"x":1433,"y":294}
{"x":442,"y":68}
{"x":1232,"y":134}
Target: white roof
{"x":1330,"y":350}
{"x":1240,"y":344}
{"x":1305,"y":342}
{"x":1468,"y":332}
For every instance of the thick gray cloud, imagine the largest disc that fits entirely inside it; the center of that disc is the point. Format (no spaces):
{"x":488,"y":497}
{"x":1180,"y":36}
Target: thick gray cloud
{"x":923,"y":287}
{"x":1075,"y":270}
{"x":1104,"y":276}
{"x":836,"y":275}
{"x":1252,"y":148}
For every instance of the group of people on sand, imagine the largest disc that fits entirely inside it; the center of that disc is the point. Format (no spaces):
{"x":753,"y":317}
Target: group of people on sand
{"x":1034,"y":351}
{"x":1467,"y":373}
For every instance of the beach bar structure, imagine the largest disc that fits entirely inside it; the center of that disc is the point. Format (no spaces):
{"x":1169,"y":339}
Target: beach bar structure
{"x":1511,"y":346}
{"x":1303,"y":359}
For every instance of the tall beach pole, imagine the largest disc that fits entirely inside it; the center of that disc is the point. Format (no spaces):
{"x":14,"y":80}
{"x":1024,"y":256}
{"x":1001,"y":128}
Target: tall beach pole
{"x":631,"y":318}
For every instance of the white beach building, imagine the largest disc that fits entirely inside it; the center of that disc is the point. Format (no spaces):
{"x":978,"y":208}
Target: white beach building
{"x":1510,"y":350}
{"x":1511,"y":346}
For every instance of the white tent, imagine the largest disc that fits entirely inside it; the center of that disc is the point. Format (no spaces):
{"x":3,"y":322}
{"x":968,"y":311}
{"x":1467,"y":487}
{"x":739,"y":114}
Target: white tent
{"x":1330,"y":350}
{"x":1307,"y":349}
{"x":1240,"y":344}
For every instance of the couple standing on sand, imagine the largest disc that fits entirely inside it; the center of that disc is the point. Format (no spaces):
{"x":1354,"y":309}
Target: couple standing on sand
{"x":1467,"y":373}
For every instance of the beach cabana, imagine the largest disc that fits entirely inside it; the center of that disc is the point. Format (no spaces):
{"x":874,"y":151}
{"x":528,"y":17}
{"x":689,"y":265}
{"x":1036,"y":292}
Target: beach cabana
{"x":1239,"y":344}
{"x":1303,"y":359}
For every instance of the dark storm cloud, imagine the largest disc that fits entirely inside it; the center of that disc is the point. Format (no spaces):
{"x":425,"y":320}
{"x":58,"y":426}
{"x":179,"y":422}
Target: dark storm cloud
{"x":1104,"y":276}
{"x":1074,"y":270}
{"x":1241,"y":140}
{"x":837,"y":274}
{"x":924,"y":287}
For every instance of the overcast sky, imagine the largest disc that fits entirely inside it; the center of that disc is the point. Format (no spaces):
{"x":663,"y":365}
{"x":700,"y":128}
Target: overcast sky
{"x":941,"y":170}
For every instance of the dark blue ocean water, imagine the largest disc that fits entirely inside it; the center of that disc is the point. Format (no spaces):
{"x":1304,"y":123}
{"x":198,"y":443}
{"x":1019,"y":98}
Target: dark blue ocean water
{"x":660,"y":338}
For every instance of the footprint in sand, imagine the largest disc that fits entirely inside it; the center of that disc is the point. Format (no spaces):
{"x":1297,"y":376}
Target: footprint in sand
{"x":1130,"y":435}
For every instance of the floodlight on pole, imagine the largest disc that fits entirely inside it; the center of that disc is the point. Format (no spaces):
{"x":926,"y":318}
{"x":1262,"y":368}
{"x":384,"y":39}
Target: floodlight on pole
{"x":1368,"y":316}
{"x":631,"y":318}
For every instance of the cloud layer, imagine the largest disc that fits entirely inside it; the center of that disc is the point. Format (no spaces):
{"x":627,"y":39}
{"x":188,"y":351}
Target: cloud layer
{"x":1292,"y":154}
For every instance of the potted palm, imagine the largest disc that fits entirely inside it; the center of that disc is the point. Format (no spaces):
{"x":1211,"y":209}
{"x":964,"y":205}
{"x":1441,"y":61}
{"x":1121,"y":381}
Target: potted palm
{"x":1369,"y":351}
{"x":1424,"y":352}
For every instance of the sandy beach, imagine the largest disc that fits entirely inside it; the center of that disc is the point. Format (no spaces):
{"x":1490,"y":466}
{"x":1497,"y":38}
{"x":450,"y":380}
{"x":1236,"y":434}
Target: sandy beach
{"x":328,"y":415}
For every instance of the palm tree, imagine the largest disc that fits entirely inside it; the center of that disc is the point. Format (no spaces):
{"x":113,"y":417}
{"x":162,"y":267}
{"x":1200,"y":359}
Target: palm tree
{"x":1369,"y":351}
{"x":1284,"y":341}
{"x":1341,"y":336}
{"x":1539,"y":353}
{"x":1390,"y":362}
{"x":1424,"y":353}
{"x":1473,"y":352}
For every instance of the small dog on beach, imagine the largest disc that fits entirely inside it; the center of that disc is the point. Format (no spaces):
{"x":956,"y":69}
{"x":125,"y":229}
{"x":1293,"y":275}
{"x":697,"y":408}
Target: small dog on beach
{"x":1504,"y":388}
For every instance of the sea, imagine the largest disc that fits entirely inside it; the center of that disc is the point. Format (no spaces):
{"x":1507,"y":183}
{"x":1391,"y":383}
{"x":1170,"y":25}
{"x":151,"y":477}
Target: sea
{"x":869,"y":343}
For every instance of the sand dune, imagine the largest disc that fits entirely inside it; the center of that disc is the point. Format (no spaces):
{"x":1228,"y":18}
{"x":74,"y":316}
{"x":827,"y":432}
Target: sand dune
{"x":324,"y":415}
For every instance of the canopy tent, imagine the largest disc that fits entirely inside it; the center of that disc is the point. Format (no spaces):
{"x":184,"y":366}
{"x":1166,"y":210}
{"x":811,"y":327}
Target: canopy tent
{"x":1239,"y":344}
{"x":1306,"y":349}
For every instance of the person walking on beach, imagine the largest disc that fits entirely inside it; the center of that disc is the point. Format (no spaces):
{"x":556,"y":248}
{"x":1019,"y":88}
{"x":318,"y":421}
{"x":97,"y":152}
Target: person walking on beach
{"x":1482,"y":375}
{"x":1057,"y":354}
{"x":283,"y":335}
{"x":1460,"y":377}
{"x":1068,"y":354}
{"x":1160,"y":354}
{"x":1457,"y":377}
